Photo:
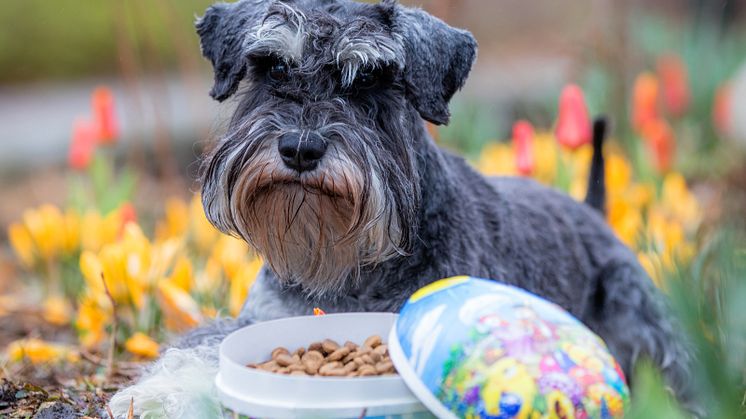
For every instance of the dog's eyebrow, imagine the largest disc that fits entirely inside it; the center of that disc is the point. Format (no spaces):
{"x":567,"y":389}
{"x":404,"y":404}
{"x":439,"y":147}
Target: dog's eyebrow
{"x":362,"y":45}
{"x":282,"y":33}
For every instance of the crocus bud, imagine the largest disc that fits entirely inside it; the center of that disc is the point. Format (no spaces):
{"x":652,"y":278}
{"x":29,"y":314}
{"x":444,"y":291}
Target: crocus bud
{"x":82,"y":145}
{"x":104,"y":115}
{"x":661,"y":143}
{"x":573,"y":125}
{"x":674,"y":84}
{"x":644,"y":101}
{"x":523,"y":138}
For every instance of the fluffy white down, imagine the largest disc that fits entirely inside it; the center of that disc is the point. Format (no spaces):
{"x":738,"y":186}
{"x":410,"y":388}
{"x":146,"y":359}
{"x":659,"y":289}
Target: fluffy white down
{"x":179,"y":385}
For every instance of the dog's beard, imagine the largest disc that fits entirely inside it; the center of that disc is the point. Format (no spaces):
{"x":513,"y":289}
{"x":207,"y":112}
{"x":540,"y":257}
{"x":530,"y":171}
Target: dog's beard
{"x":317,"y":229}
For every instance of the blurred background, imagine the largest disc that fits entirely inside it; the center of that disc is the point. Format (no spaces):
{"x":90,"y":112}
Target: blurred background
{"x":104,"y":113}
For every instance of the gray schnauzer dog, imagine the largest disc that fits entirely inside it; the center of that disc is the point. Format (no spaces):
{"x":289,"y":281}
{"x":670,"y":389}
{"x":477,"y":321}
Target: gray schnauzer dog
{"x":327,"y":171}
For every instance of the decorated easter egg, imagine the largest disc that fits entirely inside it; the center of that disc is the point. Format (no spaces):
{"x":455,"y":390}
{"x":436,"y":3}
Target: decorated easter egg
{"x":473,"y":348}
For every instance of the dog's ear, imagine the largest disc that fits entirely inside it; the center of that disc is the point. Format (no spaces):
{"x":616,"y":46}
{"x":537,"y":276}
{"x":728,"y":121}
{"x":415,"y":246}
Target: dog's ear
{"x":222,"y":32}
{"x":438,"y":59}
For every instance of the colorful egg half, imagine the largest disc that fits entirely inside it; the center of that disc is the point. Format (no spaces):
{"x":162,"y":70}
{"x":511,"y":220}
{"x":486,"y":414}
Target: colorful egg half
{"x":473,"y":348}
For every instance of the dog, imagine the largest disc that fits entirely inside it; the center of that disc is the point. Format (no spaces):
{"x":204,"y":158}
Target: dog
{"x":328,"y":171}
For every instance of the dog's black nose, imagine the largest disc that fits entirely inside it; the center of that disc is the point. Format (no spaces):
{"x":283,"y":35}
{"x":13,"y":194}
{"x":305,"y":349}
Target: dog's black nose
{"x":301,"y":151}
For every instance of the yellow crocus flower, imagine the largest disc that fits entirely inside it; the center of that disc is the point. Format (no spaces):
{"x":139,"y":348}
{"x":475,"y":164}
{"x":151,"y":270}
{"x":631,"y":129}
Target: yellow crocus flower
{"x":678,"y":200}
{"x":175,"y":221}
{"x":71,"y":234}
{"x":45,"y":226}
{"x":497,"y":159}
{"x":625,"y":220}
{"x":202,"y":233}
{"x":142,"y":346}
{"x":94,"y":313}
{"x":182,"y":275}
{"x":22,"y":243}
{"x":38,"y":351}
{"x":97,"y":231}
{"x":618,"y":174}
{"x":545,"y":153}
{"x":230,"y":252}
{"x":241,"y":283}
{"x":179,"y":308}
{"x":57,"y":310}
{"x":114,"y":267}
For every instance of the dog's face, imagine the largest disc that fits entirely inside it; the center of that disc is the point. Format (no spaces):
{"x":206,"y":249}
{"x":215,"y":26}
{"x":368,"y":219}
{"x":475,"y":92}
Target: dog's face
{"x":318,"y":170}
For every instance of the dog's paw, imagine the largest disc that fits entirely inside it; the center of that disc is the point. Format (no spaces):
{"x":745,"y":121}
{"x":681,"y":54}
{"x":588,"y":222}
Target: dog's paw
{"x":179,"y":385}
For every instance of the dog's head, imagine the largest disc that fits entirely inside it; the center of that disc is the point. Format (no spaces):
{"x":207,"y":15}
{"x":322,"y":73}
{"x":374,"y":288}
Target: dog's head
{"x":318,"y":169}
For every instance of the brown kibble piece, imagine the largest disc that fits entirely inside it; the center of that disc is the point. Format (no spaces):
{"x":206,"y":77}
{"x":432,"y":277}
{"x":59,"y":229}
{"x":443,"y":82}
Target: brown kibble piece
{"x":375,"y":356}
{"x":314,"y":356}
{"x":297,"y":367}
{"x":297,"y":372}
{"x":329,"y":346}
{"x":351,"y":345}
{"x":279,"y":351}
{"x":300,"y":351}
{"x":366,"y":370}
{"x":316,"y":346}
{"x":284,"y":360}
{"x":349,"y":358}
{"x":337,"y":372}
{"x":382,"y":349}
{"x":329,"y":367}
{"x":269,"y":366}
{"x":373,"y":341}
{"x":349,"y":368}
{"x":338,"y":354}
{"x":312,"y":367}
{"x":367,"y":359}
{"x":384,"y":367}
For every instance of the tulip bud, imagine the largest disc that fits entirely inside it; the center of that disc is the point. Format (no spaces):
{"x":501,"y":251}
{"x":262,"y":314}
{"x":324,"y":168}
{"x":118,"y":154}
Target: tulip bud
{"x":660,"y":141}
{"x":82,"y":145}
{"x":644,"y":101}
{"x":523,"y":137}
{"x":721,"y":109}
{"x":104,"y":114}
{"x":674,"y":83}
{"x":573,"y":125}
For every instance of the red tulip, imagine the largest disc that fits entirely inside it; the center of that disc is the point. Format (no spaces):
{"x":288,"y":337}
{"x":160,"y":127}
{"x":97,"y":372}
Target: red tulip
{"x":674,"y":83}
{"x":523,"y":138}
{"x":644,"y":101}
{"x":721,"y":109}
{"x":661,"y":142}
{"x":83,"y":144}
{"x":573,"y":125}
{"x":107,"y":125}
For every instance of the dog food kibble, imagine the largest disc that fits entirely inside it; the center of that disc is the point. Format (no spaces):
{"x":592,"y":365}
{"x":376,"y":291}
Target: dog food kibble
{"x":329,"y":359}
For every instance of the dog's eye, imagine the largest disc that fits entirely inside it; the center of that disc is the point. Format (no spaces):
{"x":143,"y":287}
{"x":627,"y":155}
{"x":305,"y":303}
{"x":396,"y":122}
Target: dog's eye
{"x":278,"y":71}
{"x":366,"y":78}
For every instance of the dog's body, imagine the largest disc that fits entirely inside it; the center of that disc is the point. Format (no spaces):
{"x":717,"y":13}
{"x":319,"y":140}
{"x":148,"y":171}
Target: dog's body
{"x":336,"y":183}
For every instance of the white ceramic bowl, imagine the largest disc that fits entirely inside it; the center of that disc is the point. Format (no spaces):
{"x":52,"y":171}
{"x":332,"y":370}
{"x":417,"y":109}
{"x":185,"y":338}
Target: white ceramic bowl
{"x":262,"y":394}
